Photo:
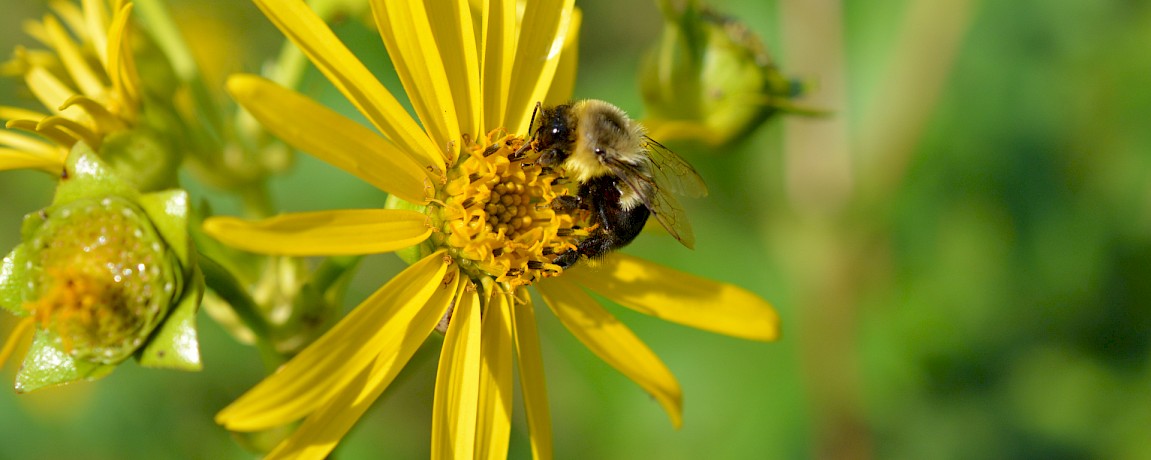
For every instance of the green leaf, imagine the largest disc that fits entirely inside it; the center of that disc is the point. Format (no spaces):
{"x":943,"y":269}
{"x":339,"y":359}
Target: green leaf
{"x":411,"y":254}
{"x":13,"y":279}
{"x":175,"y":344}
{"x":45,"y":365}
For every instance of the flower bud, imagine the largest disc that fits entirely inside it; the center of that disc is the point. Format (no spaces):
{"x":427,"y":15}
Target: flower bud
{"x":710,"y":79}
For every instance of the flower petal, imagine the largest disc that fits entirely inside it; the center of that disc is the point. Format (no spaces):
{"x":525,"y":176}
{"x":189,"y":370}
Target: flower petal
{"x":19,"y":334}
{"x":343,"y":232}
{"x":17,"y":159}
{"x":382,"y":327}
{"x":72,"y":59}
{"x":456,"y":39}
{"x":457,"y":382}
{"x":494,"y":420}
{"x":407,"y":34}
{"x":95,"y":21}
{"x":120,"y":65}
{"x":331,"y":137}
{"x":320,"y":433}
{"x":532,"y":381}
{"x":563,"y":84}
{"x":498,"y":24}
{"x":613,"y":342}
{"x":681,"y":298}
{"x":543,"y":32}
{"x":51,"y":91}
{"x":300,"y":24}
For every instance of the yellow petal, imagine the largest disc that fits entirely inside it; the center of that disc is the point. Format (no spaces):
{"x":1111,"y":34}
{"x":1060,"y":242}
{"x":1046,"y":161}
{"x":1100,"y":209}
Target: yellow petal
{"x":31,"y":146}
{"x":72,"y":59}
{"x":95,"y":21}
{"x":457,"y":383}
{"x":494,"y":420}
{"x":320,"y":433}
{"x":532,"y":381}
{"x":18,"y":159}
{"x":50,"y":90}
{"x":71,"y":14}
{"x":104,"y":121}
{"x":331,"y":137}
{"x":55,"y":134}
{"x":20,"y":334}
{"x":453,"y":27}
{"x":343,"y":232}
{"x":544,"y":30}
{"x":17,"y":113}
{"x":498,"y":32}
{"x":613,"y":342}
{"x":382,"y":327}
{"x":407,"y":34}
{"x":679,"y":297}
{"x":120,"y":64}
{"x":74,"y":129}
{"x":300,"y":24}
{"x":564,"y":82}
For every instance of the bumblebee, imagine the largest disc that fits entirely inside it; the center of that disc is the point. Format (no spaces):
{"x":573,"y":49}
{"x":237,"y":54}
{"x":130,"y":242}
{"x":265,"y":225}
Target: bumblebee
{"x":624,"y":176}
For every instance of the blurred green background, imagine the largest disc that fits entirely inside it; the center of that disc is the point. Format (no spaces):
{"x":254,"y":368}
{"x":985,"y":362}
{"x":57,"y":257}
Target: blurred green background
{"x":959,"y":253}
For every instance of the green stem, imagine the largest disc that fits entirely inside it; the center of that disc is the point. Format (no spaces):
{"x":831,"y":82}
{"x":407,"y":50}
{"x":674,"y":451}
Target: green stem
{"x":219,"y":280}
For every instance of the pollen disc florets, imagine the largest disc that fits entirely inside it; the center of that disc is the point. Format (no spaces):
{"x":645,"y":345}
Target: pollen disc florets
{"x":101,"y":277}
{"x":497,"y":214}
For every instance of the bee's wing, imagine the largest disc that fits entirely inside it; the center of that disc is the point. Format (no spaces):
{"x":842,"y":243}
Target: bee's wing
{"x":667,"y":173}
{"x":672,"y":173}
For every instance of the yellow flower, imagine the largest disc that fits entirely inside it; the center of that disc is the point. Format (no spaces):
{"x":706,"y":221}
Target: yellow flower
{"x":476,"y":209}
{"x":87,"y":82}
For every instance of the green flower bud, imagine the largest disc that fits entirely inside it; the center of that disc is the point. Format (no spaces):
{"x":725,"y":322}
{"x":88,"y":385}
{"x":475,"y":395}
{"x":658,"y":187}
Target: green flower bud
{"x":106,"y":274}
{"x":141,"y":157}
{"x":710,"y":79}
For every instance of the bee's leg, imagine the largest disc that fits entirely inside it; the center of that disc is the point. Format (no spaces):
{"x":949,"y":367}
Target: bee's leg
{"x":552,"y":157}
{"x":567,"y":259}
{"x":566,"y":203}
{"x":616,"y":227}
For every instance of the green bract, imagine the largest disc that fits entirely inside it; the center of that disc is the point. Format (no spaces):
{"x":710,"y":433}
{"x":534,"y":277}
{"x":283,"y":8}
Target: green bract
{"x":106,"y":272}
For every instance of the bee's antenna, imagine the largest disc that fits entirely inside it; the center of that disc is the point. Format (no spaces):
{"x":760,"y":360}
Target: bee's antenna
{"x":533,"y":119}
{"x":528,"y":144}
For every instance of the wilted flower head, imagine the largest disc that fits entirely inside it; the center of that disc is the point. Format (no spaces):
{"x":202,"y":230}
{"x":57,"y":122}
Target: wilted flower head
{"x":104,"y":273}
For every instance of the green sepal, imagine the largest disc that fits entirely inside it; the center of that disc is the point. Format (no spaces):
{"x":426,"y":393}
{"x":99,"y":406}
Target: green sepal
{"x":45,"y":365}
{"x":411,"y":254}
{"x":87,"y":176}
{"x":142,"y":158}
{"x":13,"y":281}
{"x":175,"y":344}
{"x":168,"y":211}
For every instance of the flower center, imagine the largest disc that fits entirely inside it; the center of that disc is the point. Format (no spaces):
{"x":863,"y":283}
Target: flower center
{"x":497,"y":214}
{"x":98,"y":277}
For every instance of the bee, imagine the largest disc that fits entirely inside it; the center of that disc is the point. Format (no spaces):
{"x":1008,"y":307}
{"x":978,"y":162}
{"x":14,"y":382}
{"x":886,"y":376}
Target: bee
{"x":624,"y":176}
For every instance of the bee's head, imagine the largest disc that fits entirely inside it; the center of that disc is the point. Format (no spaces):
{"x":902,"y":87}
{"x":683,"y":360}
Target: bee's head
{"x":554,"y":134}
